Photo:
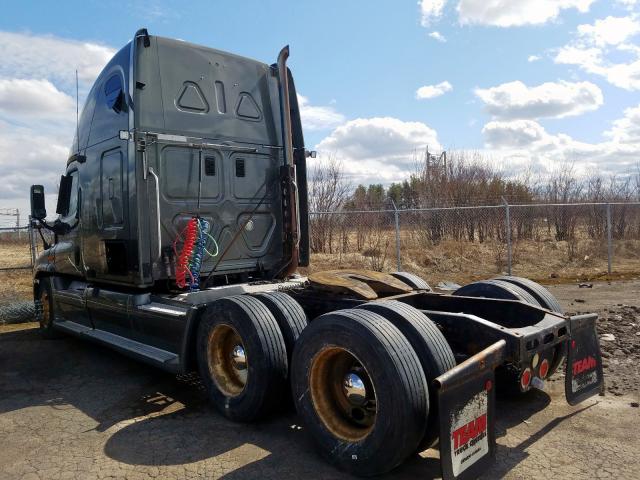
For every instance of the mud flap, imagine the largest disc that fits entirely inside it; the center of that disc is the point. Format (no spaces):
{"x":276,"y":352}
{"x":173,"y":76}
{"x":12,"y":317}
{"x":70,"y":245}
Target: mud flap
{"x":466,"y":399}
{"x":583,"y":375}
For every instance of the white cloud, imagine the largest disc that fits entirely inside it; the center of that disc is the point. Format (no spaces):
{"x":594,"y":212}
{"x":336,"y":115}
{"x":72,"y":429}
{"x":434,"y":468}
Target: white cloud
{"x":533,"y":58}
{"x":626,"y":130}
{"x":628,"y":3}
{"x":526,"y":142}
{"x":46,"y":57}
{"x":578,"y":55}
{"x":37,"y":107}
{"x":610,"y":30}
{"x":438,"y":36}
{"x":430,"y":10}
{"x":379,"y":149}
{"x":549,"y":100}
{"x":432,"y":91}
{"x":318,"y":118}
{"x":28,"y":157}
{"x":512,"y":13}
{"x":36,"y":99}
{"x":595,"y":45}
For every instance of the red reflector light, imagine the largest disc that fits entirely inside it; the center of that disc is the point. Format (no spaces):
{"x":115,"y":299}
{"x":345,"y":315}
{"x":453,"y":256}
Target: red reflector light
{"x":525,"y":378}
{"x":544,"y":368}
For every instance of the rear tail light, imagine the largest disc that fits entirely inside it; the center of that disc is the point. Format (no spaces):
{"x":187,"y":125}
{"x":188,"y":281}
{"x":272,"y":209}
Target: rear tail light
{"x":544,"y":368}
{"x":525,"y":378}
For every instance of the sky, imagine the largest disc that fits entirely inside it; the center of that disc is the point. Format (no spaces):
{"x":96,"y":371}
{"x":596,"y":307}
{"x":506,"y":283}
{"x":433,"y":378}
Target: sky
{"x":530,"y":84}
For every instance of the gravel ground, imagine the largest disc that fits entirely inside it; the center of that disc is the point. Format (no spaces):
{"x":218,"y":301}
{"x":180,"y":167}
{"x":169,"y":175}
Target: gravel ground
{"x":618,"y":327}
{"x":71,"y":410}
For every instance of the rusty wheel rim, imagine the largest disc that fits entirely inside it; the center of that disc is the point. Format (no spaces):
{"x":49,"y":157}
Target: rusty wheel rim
{"x":342,"y":393}
{"x":227,"y":360}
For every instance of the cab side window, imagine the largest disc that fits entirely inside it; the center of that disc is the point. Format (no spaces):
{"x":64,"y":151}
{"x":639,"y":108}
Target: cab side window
{"x":110,"y":114}
{"x":114,"y":93}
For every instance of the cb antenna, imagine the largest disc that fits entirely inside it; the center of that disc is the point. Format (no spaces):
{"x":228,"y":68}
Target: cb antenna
{"x":77,"y":117}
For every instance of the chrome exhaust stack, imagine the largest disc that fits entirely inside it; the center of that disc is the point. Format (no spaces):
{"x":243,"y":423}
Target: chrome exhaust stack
{"x":289,"y":187}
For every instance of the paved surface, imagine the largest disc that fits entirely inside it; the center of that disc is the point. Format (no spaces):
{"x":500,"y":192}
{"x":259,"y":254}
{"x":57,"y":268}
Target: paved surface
{"x":72,"y":410}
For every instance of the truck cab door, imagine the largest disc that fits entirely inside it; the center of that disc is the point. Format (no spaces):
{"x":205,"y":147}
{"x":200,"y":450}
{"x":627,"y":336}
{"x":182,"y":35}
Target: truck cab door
{"x":68,"y":295}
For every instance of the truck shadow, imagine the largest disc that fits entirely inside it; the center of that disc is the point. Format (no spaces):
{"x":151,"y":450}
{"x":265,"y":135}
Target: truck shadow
{"x":510,"y":457}
{"x":150,"y":418}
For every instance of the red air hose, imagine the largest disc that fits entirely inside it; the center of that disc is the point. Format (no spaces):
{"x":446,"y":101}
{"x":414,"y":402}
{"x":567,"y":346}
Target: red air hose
{"x":182,"y":263}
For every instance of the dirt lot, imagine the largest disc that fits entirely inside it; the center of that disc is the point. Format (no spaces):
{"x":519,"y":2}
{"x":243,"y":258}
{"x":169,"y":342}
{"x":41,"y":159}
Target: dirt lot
{"x":70,"y":410}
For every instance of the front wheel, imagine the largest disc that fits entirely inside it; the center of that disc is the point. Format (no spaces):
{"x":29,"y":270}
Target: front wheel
{"x":44,"y":308}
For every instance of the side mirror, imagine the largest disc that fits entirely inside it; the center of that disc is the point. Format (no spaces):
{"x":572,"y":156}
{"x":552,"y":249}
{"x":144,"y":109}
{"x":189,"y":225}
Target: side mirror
{"x":38,"y":210}
{"x":64,"y":195}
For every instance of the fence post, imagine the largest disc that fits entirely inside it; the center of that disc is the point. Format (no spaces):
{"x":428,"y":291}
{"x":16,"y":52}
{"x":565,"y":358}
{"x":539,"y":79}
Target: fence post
{"x":396,"y":215}
{"x":508,"y":228}
{"x":609,"y":243}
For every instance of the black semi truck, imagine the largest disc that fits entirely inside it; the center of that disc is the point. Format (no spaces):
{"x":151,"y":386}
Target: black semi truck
{"x":182,"y":221}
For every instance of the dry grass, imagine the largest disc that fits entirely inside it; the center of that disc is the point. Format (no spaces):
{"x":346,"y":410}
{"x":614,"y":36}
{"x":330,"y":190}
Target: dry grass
{"x":14,"y":254}
{"x":462,"y":262}
{"x":546,"y":261}
{"x":15,"y":286}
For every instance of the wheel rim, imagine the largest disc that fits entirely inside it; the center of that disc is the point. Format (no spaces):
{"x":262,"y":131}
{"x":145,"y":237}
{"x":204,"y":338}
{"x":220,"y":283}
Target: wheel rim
{"x":228,"y":363}
{"x":45,"y":318}
{"x":343,"y":394}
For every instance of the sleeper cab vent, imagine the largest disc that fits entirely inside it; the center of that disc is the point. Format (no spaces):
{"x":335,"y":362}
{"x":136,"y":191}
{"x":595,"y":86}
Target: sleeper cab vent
{"x":240,"y":167}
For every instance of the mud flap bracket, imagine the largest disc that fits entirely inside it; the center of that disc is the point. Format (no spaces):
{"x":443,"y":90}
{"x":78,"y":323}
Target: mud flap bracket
{"x":466,"y":401}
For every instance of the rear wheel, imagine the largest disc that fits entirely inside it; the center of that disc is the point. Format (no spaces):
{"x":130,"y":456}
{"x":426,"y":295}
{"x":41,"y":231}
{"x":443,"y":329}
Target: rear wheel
{"x":360,"y":390}
{"x":432,"y":349}
{"x":242,"y":358}
{"x":414,"y":281}
{"x":508,"y":376}
{"x":546,"y":299}
{"x":498,"y":289}
{"x":543,"y":296}
{"x":289,"y":315}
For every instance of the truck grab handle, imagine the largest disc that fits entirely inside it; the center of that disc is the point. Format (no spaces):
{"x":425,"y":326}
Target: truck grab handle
{"x":159,"y":232}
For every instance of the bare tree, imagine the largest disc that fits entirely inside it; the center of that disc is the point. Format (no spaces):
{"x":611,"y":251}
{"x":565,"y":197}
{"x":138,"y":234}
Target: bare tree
{"x":328,"y":191}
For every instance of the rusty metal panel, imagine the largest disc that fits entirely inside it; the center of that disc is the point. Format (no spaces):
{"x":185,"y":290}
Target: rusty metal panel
{"x":365,"y":284}
{"x":466,"y":399}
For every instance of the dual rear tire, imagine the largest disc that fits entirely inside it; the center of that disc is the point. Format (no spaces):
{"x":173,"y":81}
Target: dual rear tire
{"x":360,"y":390}
{"x":359,"y":378}
{"x":244,"y":346}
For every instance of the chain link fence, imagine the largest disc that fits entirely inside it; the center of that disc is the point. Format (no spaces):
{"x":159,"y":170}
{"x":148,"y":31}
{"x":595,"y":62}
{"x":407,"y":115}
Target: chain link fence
{"x":541,"y":241}
{"x":17,"y":253}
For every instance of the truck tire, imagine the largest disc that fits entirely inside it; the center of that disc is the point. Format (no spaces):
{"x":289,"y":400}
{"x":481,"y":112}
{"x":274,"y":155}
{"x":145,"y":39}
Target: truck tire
{"x":497,"y":289}
{"x":360,"y":390}
{"x":532,"y":293}
{"x":543,"y":296}
{"x":242,"y":358}
{"x":45,"y":308}
{"x":288,"y":313}
{"x":432,"y":349}
{"x":414,"y":281}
